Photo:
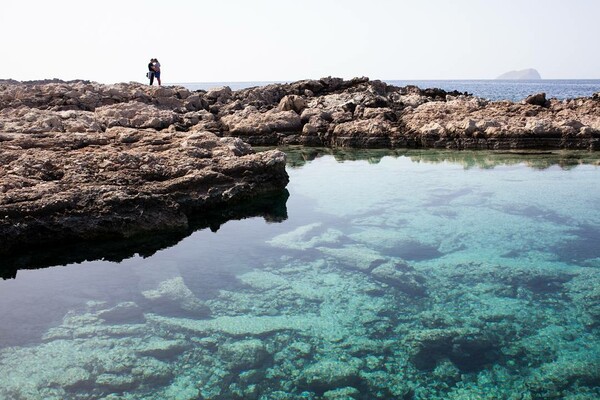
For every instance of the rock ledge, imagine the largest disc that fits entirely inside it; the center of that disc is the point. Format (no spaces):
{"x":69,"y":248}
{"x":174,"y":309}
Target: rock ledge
{"x":85,"y":160}
{"x":123,"y":182}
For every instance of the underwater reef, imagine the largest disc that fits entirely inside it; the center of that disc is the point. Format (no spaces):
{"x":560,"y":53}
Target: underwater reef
{"x":333,"y":316}
{"x":402,"y":284}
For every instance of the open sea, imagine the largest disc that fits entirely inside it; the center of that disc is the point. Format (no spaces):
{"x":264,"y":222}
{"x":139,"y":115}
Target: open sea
{"x":514,"y":90}
{"x":406,"y":274}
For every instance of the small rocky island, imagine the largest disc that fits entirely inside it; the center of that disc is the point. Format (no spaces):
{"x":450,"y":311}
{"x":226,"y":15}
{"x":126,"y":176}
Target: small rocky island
{"x":523,"y":74}
{"x":81,"y":160}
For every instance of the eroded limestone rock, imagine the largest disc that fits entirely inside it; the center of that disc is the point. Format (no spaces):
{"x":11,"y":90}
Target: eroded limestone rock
{"x":324,"y":112}
{"x":85,"y":160}
{"x":122,"y":182}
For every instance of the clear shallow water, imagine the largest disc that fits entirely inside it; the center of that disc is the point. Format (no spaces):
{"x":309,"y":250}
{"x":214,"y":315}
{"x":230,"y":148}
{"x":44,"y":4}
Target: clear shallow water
{"x":415,"y":274}
{"x":488,"y":89}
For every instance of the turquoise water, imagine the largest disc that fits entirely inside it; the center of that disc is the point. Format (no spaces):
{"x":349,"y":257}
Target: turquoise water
{"x":396,"y":275}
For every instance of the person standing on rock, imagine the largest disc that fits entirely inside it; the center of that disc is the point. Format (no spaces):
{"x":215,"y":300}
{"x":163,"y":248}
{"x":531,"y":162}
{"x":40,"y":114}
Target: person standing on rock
{"x":157,"y":70}
{"x":150,"y":73}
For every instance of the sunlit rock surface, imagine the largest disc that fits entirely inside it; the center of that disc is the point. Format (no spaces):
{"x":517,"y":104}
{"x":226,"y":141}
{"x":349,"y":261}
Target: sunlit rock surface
{"x":123,"y":181}
{"x":325,"y":112}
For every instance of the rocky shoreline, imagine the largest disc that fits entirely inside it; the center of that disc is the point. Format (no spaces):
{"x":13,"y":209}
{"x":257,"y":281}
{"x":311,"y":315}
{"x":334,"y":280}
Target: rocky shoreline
{"x":57,"y":187}
{"x":329,"y":112}
{"x":81,"y":160}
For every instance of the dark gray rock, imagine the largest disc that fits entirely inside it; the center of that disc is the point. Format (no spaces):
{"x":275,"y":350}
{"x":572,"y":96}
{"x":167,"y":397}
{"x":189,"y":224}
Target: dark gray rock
{"x":538,"y":99}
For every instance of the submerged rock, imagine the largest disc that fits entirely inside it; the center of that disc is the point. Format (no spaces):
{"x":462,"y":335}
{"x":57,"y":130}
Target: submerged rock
{"x":306,"y":237}
{"x":117,"y":383}
{"x":174,"y":293}
{"x":163,"y":349}
{"x":242,"y":326}
{"x":347,"y":393}
{"x":127,"y":312}
{"x":244,"y":354}
{"x":74,"y":377}
{"x":355,"y":257}
{"x":401,"y":276}
{"x":470,"y":349}
{"x":553,"y":378}
{"x":328,"y":374}
{"x":585,"y":294}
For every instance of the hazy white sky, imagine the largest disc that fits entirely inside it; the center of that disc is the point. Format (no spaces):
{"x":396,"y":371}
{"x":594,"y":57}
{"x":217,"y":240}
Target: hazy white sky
{"x":266,"y":40}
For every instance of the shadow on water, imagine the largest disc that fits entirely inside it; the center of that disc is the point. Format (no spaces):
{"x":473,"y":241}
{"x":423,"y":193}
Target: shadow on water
{"x":413,"y":250}
{"x":585,"y":247}
{"x":272,"y":208}
{"x":534,"y":212}
{"x":297,"y":156}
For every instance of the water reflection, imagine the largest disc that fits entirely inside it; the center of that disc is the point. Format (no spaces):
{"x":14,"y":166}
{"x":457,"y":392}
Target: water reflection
{"x":272,"y":208}
{"x":565,"y":159}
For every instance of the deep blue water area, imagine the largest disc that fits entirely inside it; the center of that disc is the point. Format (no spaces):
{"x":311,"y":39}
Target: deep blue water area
{"x":384,"y":275}
{"x":514,"y":90}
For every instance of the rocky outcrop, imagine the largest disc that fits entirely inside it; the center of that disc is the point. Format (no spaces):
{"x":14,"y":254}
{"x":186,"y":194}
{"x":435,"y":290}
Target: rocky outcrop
{"x":372,"y":114}
{"x":474,"y":123}
{"x":326,"y":112}
{"x":81,"y":159}
{"x":122,"y":182}
{"x":538,"y":99}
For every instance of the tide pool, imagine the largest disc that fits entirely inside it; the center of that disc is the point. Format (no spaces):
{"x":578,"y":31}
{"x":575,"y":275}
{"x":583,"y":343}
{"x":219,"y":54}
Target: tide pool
{"x":384,"y":275}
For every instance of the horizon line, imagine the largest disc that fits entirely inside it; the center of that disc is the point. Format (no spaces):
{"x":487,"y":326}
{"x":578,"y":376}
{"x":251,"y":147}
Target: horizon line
{"x":386,"y":79}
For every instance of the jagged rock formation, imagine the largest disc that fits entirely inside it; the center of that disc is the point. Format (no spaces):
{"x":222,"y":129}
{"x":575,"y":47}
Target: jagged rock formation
{"x":122,"y":182}
{"x":362,"y":113}
{"x":325,"y":112}
{"x":81,"y":159}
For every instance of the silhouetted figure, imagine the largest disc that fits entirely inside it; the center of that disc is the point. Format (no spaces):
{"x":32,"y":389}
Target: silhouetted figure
{"x":150,"y":73}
